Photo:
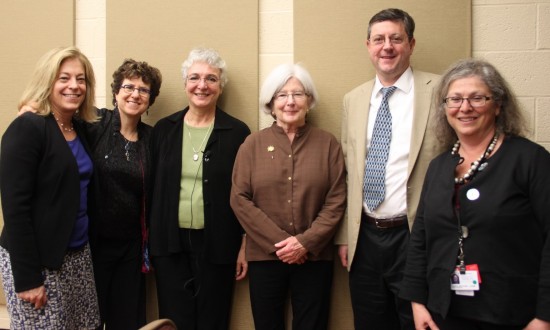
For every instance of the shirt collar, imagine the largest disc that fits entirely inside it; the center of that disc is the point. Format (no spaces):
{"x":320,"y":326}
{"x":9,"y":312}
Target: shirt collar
{"x":404,"y":83}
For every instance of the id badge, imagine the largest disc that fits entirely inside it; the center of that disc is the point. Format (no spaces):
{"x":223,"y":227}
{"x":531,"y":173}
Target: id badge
{"x":465,"y":284}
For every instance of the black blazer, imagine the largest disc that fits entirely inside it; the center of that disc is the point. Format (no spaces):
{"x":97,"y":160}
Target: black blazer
{"x":221,"y":228}
{"x":505,"y":208}
{"x":40,"y":190}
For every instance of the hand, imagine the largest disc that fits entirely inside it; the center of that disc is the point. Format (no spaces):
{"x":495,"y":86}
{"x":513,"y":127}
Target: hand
{"x":36,"y":296}
{"x":242,"y":264}
{"x":422,"y":318}
{"x":343,"y":253}
{"x":291,"y":251}
{"x":538,"y":324}
{"x":29,"y":107}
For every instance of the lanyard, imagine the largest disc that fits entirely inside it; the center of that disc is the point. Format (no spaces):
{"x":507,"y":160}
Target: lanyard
{"x":462,"y":234}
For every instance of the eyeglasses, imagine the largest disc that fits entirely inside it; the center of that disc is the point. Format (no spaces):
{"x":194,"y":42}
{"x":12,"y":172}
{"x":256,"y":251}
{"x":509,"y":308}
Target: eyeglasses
{"x":475,"y":101}
{"x":129,"y":89}
{"x":394,"y":40}
{"x":209,"y":80}
{"x":282,"y":96}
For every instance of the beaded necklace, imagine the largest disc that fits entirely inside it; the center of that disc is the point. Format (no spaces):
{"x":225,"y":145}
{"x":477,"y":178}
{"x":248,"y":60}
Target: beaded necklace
{"x":475,"y":165}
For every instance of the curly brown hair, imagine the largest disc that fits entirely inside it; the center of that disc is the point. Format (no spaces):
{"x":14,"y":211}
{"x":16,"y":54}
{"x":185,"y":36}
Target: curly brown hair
{"x":130,"y":69}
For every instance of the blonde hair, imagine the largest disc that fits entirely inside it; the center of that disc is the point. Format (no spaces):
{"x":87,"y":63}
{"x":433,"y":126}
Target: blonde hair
{"x":40,"y":86}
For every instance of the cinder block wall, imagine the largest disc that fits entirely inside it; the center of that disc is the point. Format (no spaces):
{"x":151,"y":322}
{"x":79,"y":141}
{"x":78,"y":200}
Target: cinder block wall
{"x":512,"y":34}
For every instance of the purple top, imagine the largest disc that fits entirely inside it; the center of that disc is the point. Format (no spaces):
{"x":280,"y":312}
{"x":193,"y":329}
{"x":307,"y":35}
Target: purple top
{"x":79,"y":236}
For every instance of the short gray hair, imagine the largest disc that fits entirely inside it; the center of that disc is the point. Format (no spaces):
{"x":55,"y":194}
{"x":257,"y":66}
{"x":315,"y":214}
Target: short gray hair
{"x":279,"y":77}
{"x":205,"y":55}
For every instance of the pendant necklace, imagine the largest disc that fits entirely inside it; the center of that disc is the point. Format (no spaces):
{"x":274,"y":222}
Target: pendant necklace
{"x":127,"y":150}
{"x":127,"y":146}
{"x":196,"y":152}
{"x":476,"y":164}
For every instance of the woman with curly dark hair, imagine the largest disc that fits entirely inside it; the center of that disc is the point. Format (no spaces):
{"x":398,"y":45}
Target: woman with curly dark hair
{"x":120,"y":152}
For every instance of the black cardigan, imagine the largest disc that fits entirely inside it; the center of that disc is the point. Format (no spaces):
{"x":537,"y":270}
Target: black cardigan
{"x":509,"y":237}
{"x":115,"y":207}
{"x":221,"y":228}
{"x":40,"y":189}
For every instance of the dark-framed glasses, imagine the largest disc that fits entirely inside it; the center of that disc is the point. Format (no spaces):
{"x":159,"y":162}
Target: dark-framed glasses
{"x":475,"y":101}
{"x":129,"y":89}
{"x":209,"y":79}
{"x":283,"y":96}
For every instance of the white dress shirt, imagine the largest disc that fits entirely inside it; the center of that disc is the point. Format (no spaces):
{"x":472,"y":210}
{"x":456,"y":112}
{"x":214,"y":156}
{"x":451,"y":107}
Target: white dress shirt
{"x":401,"y":104}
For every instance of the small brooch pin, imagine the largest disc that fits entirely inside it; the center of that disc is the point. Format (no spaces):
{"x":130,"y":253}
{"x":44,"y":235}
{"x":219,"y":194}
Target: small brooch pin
{"x":271,"y":148}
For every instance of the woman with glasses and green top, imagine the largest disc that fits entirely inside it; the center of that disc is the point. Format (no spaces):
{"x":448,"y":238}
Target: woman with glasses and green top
{"x":195,"y":239}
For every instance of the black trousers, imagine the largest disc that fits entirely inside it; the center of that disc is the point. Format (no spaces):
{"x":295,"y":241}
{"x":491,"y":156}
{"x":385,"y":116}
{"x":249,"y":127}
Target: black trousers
{"x":119,"y":283}
{"x":309,"y":285}
{"x":375,"y":277}
{"x":193,"y":292}
{"x":458,"y":323}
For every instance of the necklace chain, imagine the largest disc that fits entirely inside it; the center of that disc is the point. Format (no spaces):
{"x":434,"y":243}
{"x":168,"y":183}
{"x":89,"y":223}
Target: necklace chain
{"x":475,"y":165}
{"x":66,"y":129}
{"x":196,"y":152}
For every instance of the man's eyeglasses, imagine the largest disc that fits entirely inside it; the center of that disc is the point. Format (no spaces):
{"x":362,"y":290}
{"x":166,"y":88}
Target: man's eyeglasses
{"x":394,"y":40}
{"x":209,"y":80}
{"x":129,"y":89}
{"x":475,"y":101}
{"x":282,"y":96}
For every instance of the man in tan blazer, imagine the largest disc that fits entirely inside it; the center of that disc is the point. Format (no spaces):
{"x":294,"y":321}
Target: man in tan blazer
{"x":373,"y":242}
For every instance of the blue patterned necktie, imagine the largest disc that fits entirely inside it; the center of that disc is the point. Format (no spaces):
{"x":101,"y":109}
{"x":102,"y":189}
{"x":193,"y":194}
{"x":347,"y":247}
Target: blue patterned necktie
{"x":374,"y":187}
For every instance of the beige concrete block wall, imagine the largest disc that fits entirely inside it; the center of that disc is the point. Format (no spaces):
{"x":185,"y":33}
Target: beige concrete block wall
{"x":512,"y":34}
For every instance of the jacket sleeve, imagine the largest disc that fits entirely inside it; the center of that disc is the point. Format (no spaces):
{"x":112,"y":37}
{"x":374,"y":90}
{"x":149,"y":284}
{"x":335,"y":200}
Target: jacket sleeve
{"x":341,"y":236}
{"x":21,"y":153}
{"x":540,"y":195}
{"x":414,"y":286}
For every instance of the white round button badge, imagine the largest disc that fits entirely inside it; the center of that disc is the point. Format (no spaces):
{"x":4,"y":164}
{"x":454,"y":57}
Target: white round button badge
{"x":472,"y":194}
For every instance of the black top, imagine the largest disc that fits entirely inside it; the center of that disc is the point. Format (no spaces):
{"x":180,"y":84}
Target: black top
{"x":222,"y":231}
{"x":120,"y":178}
{"x":505,"y":208}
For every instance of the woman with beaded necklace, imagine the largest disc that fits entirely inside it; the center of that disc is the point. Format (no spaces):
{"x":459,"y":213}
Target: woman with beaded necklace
{"x":483,"y":216}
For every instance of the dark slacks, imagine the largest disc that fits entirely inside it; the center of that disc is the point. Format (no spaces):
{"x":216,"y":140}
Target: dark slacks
{"x":119,"y":282}
{"x":193,"y":292}
{"x":458,"y":323}
{"x":375,"y":277}
{"x":309,"y":285}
